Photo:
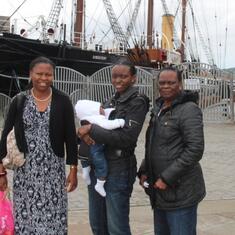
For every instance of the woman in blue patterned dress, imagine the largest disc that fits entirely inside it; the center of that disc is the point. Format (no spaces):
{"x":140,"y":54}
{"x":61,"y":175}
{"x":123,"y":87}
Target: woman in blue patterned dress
{"x":43,"y":119}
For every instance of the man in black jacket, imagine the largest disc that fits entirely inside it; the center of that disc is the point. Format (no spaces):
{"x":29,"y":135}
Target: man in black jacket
{"x":171,"y":173}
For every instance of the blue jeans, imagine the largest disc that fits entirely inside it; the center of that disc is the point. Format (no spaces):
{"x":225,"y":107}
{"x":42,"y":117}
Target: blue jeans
{"x":110,"y":215}
{"x":98,"y":160}
{"x":175,"y":222}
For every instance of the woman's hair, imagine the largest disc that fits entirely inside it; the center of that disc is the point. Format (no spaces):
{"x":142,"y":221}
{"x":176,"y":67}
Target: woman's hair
{"x":41,"y":60}
{"x":128,"y":63}
{"x":38,"y":60}
{"x":173,"y":69}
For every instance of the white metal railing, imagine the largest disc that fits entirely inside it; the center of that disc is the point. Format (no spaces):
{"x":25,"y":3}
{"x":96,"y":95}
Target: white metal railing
{"x":69,"y":80}
{"x":215,"y":90}
{"x":214,"y":86}
{"x":4,"y":105}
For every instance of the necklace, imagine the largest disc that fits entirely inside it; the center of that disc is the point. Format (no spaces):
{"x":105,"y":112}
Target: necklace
{"x":41,"y":100}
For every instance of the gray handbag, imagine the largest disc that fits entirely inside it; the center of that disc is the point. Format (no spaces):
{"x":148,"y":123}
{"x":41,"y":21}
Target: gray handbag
{"x":14,"y":157}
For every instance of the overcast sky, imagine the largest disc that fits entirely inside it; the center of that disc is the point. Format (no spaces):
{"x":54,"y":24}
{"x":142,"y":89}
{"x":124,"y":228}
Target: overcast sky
{"x":213,"y":17}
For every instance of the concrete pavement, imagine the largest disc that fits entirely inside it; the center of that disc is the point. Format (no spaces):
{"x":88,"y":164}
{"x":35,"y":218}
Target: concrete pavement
{"x":214,"y":218}
{"x":216,"y":214}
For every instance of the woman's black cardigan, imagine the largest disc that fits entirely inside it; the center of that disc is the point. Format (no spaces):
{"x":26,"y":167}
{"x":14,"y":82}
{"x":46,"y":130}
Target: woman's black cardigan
{"x":62,"y":130}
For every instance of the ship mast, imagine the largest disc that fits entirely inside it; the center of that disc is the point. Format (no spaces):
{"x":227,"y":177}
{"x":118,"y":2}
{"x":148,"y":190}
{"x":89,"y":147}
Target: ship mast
{"x":79,"y":21}
{"x":150,"y":24}
{"x":182,"y":47}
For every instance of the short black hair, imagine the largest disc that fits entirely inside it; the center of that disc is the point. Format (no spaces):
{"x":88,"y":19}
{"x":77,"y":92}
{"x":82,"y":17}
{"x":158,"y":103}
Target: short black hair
{"x":174,"y":69}
{"x":41,"y":60}
{"x":128,"y":63}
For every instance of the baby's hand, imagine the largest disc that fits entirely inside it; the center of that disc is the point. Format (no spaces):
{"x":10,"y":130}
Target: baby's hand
{"x":121,"y":122}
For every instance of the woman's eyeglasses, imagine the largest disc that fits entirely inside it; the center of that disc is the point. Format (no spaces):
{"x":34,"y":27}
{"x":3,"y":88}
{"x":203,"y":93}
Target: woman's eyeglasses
{"x":120,"y":76}
{"x":169,"y":83}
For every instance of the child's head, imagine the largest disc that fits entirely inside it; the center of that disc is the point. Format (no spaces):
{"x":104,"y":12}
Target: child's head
{"x":86,"y":108}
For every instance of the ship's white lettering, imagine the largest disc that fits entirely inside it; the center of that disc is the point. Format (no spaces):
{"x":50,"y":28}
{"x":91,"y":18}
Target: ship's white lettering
{"x":99,"y":57}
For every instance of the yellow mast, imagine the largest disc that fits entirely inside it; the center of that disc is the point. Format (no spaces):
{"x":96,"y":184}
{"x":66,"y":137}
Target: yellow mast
{"x":167,"y":31}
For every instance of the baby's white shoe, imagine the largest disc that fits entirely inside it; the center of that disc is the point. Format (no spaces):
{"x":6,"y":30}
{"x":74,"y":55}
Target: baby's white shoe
{"x":99,"y":187}
{"x":86,"y":174}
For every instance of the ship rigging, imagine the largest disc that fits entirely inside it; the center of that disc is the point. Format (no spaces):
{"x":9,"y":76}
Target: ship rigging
{"x":78,"y":45}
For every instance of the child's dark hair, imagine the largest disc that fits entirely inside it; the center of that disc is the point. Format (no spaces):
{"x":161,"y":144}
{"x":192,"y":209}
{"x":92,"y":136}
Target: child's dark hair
{"x":41,"y":60}
{"x":127,"y":62}
{"x":177,"y":71}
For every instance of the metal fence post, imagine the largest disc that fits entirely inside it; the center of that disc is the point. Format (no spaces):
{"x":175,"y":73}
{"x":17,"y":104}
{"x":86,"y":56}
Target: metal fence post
{"x":88,"y":85}
{"x":155,"y":86}
{"x":232,"y":98}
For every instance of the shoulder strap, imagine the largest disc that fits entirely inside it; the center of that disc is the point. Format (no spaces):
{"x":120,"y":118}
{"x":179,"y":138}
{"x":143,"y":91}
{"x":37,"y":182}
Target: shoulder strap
{"x":145,"y":98}
{"x":19,"y":98}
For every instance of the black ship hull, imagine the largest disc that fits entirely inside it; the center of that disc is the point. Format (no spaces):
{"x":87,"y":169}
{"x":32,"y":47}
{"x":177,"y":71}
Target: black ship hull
{"x":17,"y":52}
